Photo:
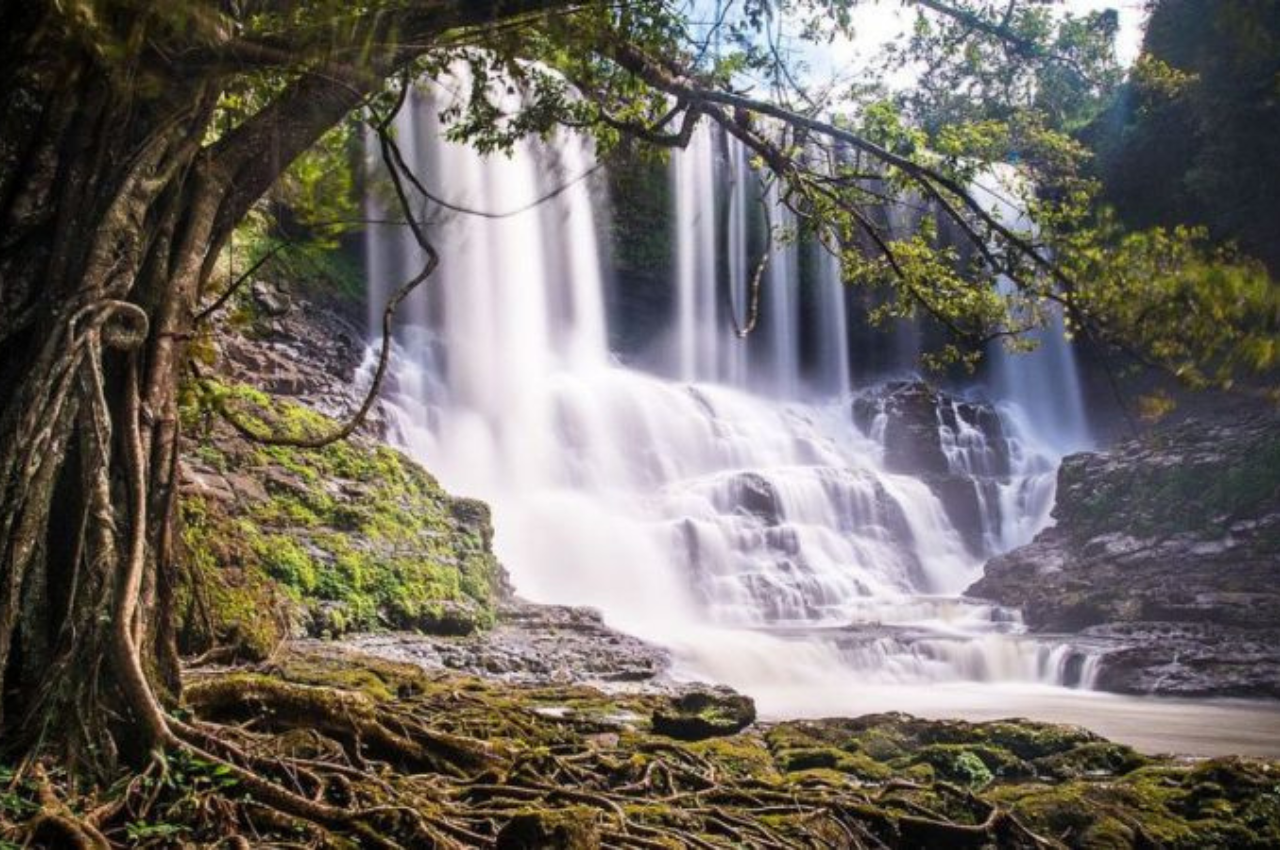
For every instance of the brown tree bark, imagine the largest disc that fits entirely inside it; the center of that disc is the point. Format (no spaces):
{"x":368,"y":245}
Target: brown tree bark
{"x":112,"y":212}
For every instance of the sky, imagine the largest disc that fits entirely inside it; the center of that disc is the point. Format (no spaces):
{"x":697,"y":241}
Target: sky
{"x":879,"y":21}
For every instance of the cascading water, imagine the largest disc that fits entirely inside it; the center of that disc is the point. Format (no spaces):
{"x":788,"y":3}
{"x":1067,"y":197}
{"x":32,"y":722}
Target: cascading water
{"x":747,"y":524}
{"x":1044,"y":385}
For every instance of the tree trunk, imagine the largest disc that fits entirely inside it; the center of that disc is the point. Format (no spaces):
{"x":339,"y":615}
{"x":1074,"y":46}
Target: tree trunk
{"x":102,"y":215}
{"x":111,"y":213}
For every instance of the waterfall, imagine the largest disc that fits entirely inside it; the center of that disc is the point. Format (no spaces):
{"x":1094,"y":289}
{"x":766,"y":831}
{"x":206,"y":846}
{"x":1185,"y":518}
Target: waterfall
{"x":697,"y":330}
{"x":743,"y":522}
{"x":832,"y":324}
{"x":1045,"y":383}
{"x":782,"y":319}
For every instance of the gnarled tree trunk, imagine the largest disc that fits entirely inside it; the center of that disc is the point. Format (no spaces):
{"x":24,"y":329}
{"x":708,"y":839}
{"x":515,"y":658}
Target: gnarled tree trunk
{"x":112,"y":210}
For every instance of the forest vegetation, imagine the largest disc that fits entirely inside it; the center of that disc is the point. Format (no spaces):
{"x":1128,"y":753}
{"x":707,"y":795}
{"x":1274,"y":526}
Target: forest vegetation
{"x":155,"y":156}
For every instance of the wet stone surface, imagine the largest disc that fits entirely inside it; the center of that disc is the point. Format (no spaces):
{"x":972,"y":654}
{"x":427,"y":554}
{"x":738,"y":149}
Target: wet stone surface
{"x":532,"y":644}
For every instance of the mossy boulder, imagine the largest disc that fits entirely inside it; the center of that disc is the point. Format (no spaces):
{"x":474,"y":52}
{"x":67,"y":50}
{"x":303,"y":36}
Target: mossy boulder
{"x":349,"y":537}
{"x":704,"y":713}
{"x":1100,"y":758}
{"x":573,"y":828}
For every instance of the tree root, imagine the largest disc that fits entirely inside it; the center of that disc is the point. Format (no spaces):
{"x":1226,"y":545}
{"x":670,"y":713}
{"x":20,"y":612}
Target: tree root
{"x":396,"y":774}
{"x":55,"y":825}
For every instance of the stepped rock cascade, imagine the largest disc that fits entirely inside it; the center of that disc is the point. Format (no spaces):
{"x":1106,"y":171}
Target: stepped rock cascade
{"x":732,"y":509}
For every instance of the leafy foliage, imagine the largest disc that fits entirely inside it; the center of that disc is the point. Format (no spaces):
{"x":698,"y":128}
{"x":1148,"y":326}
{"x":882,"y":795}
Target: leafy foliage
{"x":1190,"y":139}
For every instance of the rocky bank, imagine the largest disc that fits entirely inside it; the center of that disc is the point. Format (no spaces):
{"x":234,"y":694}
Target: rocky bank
{"x":1166,"y":551}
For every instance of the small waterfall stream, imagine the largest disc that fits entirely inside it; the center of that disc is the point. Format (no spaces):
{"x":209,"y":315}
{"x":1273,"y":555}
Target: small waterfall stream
{"x":734,"y":512}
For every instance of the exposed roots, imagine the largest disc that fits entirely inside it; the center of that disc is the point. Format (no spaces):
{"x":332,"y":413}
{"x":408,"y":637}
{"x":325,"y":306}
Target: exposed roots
{"x":304,"y":756}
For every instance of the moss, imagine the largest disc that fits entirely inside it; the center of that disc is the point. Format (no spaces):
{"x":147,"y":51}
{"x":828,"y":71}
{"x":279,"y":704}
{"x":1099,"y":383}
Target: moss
{"x":1225,"y":803}
{"x":572,"y":828}
{"x":224,"y":600}
{"x":971,"y":767}
{"x":353,"y":534}
{"x":1097,"y":758}
{"x":742,"y":755}
{"x":1199,"y":495}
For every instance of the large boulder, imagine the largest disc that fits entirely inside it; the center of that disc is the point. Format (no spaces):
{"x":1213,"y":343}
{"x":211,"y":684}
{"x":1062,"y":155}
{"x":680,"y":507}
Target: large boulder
{"x":703,"y":713}
{"x":911,"y":440}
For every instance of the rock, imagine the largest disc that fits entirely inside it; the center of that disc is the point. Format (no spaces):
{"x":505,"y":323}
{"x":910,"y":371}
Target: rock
{"x":704,"y":713}
{"x":329,"y":619}
{"x":531,"y":644}
{"x":958,"y":447}
{"x":201,"y":482}
{"x":573,"y":828}
{"x":269,"y":299}
{"x":911,"y":442}
{"x":1189,"y":659}
{"x":962,"y":498}
{"x":247,"y":487}
{"x":753,"y":494}
{"x":1167,"y":547}
{"x":473,"y":515}
{"x":456,"y":618}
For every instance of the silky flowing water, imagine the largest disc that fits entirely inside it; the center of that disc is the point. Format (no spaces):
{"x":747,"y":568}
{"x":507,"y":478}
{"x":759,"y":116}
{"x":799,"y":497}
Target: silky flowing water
{"x":721,"y":501}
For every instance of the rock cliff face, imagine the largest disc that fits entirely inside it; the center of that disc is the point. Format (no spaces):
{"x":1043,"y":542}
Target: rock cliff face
{"x":1167,"y":550}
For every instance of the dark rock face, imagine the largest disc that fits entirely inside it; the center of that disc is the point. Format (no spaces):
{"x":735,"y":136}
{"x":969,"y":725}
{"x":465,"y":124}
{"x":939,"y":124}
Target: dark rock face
{"x":299,"y":349}
{"x":755,"y":495}
{"x":911,"y":443}
{"x":1190,"y":659}
{"x":704,"y":713}
{"x":1167,"y":546}
{"x":959,"y":448}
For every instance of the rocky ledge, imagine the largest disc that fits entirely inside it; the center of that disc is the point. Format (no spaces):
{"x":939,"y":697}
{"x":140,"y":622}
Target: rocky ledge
{"x":1166,"y":549}
{"x":531,"y":644}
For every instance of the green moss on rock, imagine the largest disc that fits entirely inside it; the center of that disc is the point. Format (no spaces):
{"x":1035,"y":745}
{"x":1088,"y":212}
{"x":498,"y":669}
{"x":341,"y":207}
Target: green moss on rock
{"x":351,"y":536}
{"x":573,"y":828}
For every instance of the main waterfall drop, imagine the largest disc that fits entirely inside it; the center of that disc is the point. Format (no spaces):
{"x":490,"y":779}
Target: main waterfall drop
{"x":726,"y":504}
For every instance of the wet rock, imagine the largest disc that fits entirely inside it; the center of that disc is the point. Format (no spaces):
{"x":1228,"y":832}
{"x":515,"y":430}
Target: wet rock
{"x":911,"y":443}
{"x":958,"y":447}
{"x":962,"y":498}
{"x":1168,"y":547}
{"x":756,"y":496}
{"x":531,"y":644}
{"x":704,"y":713}
{"x":1189,"y":659}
